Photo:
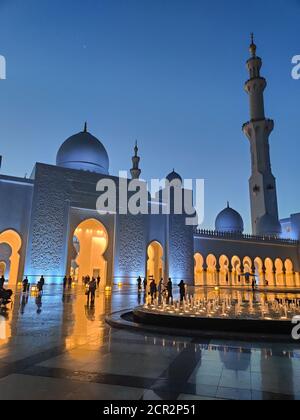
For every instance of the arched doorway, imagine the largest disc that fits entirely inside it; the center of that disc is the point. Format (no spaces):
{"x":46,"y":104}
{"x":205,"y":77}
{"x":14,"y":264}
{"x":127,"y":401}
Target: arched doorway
{"x":14,"y":242}
{"x":270,"y":276}
{"x":247,"y":263}
{"x":155,"y":263}
{"x":259,"y":271}
{"x":224,"y":270}
{"x":280,"y":281}
{"x":199,"y":278}
{"x":236,"y":270}
{"x":290,"y":276}
{"x":211,"y":262}
{"x":90,"y":241}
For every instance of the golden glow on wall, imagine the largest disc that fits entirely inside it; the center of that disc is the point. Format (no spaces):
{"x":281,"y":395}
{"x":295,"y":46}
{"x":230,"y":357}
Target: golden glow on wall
{"x":2,"y":269}
{"x":13,"y":239}
{"x":199,"y":278}
{"x":155,"y":264}
{"x":269,"y":273}
{"x":93,"y":242}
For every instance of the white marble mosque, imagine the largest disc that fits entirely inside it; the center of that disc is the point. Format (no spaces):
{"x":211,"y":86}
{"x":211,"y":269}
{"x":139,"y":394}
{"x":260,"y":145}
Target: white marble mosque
{"x":49,"y":224}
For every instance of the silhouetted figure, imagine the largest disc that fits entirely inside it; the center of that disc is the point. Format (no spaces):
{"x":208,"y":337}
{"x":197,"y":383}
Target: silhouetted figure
{"x":145,"y":284}
{"x":139,"y":283}
{"x":98,"y":282}
{"x":42,"y":283}
{"x":2,"y":281}
{"x":92,"y":291}
{"x":181,"y":286}
{"x":170,"y":290}
{"x":65,"y":282}
{"x":25,"y":285}
{"x":70,"y":281}
{"x":153,"y":290}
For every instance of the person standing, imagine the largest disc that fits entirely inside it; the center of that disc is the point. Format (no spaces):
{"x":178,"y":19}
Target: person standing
{"x":170,"y":290}
{"x":182,"y":291}
{"x":42,"y":282}
{"x":98,"y":282}
{"x":65,"y":281}
{"x":145,"y":284}
{"x":2,"y":281}
{"x":92,"y":290}
{"x":153,"y":290}
{"x":25,"y":285}
{"x":139,"y":283}
{"x":70,"y":281}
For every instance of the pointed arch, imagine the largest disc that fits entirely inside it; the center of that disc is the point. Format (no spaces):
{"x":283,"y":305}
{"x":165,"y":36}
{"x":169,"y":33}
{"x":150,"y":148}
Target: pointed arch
{"x":199,"y":261}
{"x":211,"y":262}
{"x":14,"y":241}
{"x":90,"y":242}
{"x":224,"y":270}
{"x":155,"y":261}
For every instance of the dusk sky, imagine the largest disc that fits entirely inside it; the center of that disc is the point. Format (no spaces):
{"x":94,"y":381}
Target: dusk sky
{"x":169,"y":73}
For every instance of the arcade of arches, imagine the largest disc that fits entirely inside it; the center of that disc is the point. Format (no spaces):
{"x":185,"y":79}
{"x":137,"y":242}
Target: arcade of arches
{"x":223,"y":271}
{"x":90,"y":241}
{"x":11,"y":243}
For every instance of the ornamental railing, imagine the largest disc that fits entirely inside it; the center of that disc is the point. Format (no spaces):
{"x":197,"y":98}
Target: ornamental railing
{"x":244,"y":237}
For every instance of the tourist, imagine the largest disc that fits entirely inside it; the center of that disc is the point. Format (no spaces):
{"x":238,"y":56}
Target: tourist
{"x":170,"y":291}
{"x":98,"y":282}
{"x":92,"y":290}
{"x":2,"y":281}
{"x":182,"y":291}
{"x":65,"y":281}
{"x":145,"y":284}
{"x":153,"y":290}
{"x":42,"y":281}
{"x":25,"y":285}
{"x":70,"y":281}
{"x":139,"y":283}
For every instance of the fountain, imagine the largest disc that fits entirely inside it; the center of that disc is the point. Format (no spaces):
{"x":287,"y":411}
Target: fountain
{"x":223,"y":313}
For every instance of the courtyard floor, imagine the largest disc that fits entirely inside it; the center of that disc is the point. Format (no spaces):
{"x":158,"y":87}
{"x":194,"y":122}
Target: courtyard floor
{"x":58,"y":348}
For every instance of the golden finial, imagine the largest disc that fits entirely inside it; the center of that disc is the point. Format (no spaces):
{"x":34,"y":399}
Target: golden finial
{"x":253,"y":46}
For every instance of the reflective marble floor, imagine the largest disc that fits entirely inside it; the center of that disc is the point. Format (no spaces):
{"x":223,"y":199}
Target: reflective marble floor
{"x":58,"y":348}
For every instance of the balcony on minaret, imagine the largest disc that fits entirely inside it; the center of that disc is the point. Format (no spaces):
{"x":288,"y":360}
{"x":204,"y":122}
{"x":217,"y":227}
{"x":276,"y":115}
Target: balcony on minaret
{"x":254,"y":129}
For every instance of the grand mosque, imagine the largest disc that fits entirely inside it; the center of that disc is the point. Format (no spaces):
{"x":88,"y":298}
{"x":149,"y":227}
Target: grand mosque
{"x":49,"y":224}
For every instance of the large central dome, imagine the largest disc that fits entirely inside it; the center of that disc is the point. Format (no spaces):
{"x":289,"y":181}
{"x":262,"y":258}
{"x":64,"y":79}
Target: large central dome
{"x":83,"y":152}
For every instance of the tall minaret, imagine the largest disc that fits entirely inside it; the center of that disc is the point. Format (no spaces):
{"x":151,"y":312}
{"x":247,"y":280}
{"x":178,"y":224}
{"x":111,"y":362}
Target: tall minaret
{"x":263,"y":195}
{"x":135,"y":171}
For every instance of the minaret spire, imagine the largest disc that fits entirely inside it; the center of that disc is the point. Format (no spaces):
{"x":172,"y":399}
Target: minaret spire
{"x":263,"y":195}
{"x":85,"y":127}
{"x":135,"y":170}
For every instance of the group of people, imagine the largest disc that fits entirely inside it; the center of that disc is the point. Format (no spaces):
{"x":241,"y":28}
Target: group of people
{"x":161,"y":289}
{"x":5,"y":294}
{"x":40,"y":285}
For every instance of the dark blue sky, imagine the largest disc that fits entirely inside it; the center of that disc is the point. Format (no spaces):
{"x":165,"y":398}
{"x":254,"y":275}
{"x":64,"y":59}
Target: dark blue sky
{"x":167,"y":72}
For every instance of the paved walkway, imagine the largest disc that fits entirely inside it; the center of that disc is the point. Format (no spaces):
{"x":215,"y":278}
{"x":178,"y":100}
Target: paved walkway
{"x":58,"y":348}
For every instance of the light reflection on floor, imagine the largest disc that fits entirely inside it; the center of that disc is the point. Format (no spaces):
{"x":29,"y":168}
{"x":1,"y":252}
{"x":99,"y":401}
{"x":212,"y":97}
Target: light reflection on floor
{"x":59,"y":348}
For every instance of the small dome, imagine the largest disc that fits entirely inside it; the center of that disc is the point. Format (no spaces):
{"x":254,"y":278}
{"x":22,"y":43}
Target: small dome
{"x":83,"y":152}
{"x":174,"y":176}
{"x":268,"y":225}
{"x":229,"y":221}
